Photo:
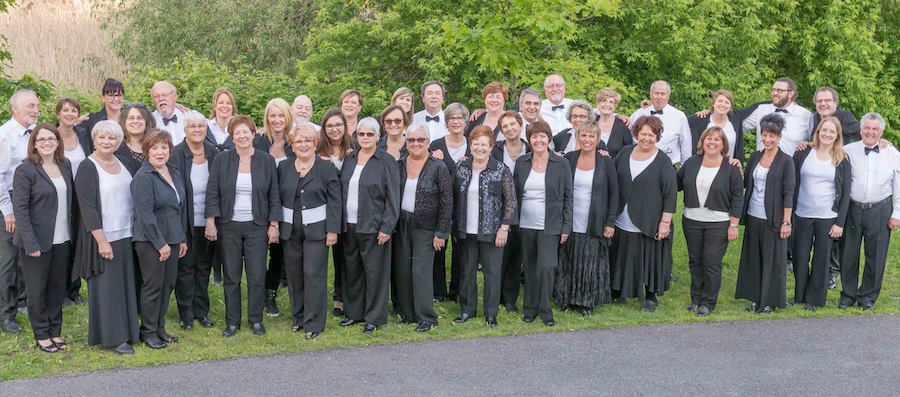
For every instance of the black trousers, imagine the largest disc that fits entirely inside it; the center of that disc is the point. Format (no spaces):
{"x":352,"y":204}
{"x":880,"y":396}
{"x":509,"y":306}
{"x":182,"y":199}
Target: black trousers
{"x":490,"y":256}
{"x":367,"y":268}
{"x":306,"y":265}
{"x":12,"y":282}
{"x":809,"y":281}
{"x":540,"y":257}
{"x":45,"y":283}
{"x":706,"y":245}
{"x":511,"y":270}
{"x":73,"y":284}
{"x":337,"y":265}
{"x":159,"y":281}
{"x":762,"y":275}
{"x":243,"y":245}
{"x":867,"y":225}
{"x":276,"y":267}
{"x":192,"y":285}
{"x":456,"y":259}
{"x":412,"y":267}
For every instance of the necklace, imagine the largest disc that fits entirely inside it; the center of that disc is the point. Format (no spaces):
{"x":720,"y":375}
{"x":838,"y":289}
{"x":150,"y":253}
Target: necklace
{"x":113,"y":162}
{"x":304,"y":166}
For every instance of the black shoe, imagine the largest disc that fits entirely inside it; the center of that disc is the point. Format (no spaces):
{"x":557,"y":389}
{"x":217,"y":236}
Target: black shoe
{"x":549,"y":323}
{"x":186,"y":325}
{"x":789,"y":266}
{"x":11,"y":326}
{"x":154,"y":343}
{"x":166,"y":337}
{"x":692,"y":308}
{"x":369,"y":329}
{"x":67,"y":302}
{"x":672,"y":277}
{"x":752,"y":308}
{"x":204,"y":321}
{"x":424,"y":327}
{"x":229,"y":331}
{"x":765,"y":310}
{"x":22,"y":310}
{"x":79,"y":300}
{"x":217,"y":280}
{"x":258,"y":329}
{"x":792,"y":302}
{"x":528,"y":319}
{"x":271,"y":305}
{"x":404,"y":320}
{"x":810,"y":307}
{"x":587,"y":312}
{"x":124,"y":348}
{"x":51,"y":348}
{"x":620,"y":301}
{"x":649,"y":306}
{"x":832,"y":282}
{"x":296,"y":328}
{"x":844,"y":304}
{"x":337,"y":312}
{"x":867,"y":306}
{"x":348,"y":322}
{"x":511,"y":308}
{"x":312,"y":335}
{"x":703,"y":311}
{"x":462,"y":318}
{"x":492,"y":321}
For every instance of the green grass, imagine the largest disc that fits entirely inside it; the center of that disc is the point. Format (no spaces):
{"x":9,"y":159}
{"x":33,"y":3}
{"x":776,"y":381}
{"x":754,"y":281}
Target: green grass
{"x":23,"y":360}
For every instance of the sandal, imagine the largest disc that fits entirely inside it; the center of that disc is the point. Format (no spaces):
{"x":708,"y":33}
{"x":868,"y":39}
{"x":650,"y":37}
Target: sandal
{"x":51,"y":348}
{"x":60,"y":344}
{"x":311,"y":335}
{"x":296,"y":328}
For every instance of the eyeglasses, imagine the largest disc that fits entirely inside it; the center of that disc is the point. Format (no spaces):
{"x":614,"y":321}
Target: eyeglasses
{"x":114,"y":94}
{"x":134,"y":118}
{"x":304,"y":141}
{"x":334,"y":126}
{"x":579,"y":117}
{"x":366,"y":134}
{"x":41,"y":141}
{"x":780,"y":90}
{"x":162,"y":95}
{"x":456,"y":118}
{"x":417,"y":140}
{"x":393,"y":121}
{"x":557,"y":85}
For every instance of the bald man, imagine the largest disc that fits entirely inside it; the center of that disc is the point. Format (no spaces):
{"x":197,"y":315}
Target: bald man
{"x":168,"y":116}
{"x":554,"y":108}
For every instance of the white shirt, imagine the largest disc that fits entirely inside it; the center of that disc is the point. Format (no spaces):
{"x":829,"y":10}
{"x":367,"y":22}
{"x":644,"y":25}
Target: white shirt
{"x":408,"y":202}
{"x":243,"y":198}
{"x":730,"y":135}
{"x":219,"y":134}
{"x":757,"y":206}
{"x":796,"y":125}
{"x":473,"y":201}
{"x":815,"y":198}
{"x":13,"y":149}
{"x":534,"y":201}
{"x":353,"y":195}
{"x":705,"y":177}
{"x":556,"y":118}
{"x":581,"y":189}
{"x":199,"y":181}
{"x":76,"y":156}
{"x":337,"y":161}
{"x":116,"y":201}
{"x":436,"y":129}
{"x":570,"y":146}
{"x":623,"y":221}
{"x":61,"y":227}
{"x":508,"y":160}
{"x":176,"y":129}
{"x":874,"y":177}
{"x":457,"y":153}
{"x":676,"y":136}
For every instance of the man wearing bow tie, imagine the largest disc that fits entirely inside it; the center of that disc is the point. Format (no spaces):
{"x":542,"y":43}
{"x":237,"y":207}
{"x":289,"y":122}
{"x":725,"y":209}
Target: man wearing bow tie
{"x":433,"y":115}
{"x":797,"y":127}
{"x":874,"y":213}
{"x":675,"y":141}
{"x":168,"y":117}
{"x":554,"y":108}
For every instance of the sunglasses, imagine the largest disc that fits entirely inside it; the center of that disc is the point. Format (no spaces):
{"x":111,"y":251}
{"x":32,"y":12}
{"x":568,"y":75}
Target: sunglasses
{"x":417,"y":140}
{"x":366,"y":134}
{"x":393,"y":122}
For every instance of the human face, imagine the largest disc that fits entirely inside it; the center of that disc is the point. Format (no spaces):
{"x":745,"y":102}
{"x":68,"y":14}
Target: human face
{"x":579,"y":116}
{"x":393,"y":123}
{"x":68,"y":115}
{"x":871,"y":132}
{"x":334,"y":128}
{"x":195,"y":130}
{"x":456,"y":123}
{"x":539,"y":143}
{"x":781,"y":94}
{"x":480,"y":148}
{"x":405,"y":102}
{"x":712,"y":144}
{"x":277,"y":120}
{"x":607,"y":106}
{"x":646,"y":139}
{"x":825,"y":103}
{"x":659,"y":95}
{"x":530,"y":108}
{"x":587,"y":140}
{"x":302,"y":108}
{"x":105,"y":143}
{"x":827,"y":133}
{"x":159,"y":155}
{"x":350,"y":106}
{"x":46,"y":143}
{"x":770,"y":140}
{"x":164,"y":97}
{"x":511,"y":128}
{"x":134,"y":122}
{"x":493,"y":102}
{"x":555,"y":89}
{"x":367,"y":138}
{"x":242,"y":136}
{"x":224,"y":107}
{"x":433,"y":98}
{"x":26,"y":110}
{"x":113,"y":100}
{"x":721,"y":105}
{"x":417,"y":144}
{"x":304,"y":145}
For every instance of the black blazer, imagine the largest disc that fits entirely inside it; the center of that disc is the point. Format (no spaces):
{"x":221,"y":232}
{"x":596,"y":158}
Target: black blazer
{"x":604,"y":192}
{"x":92,"y":120}
{"x":261,"y":142}
{"x":698,"y":125}
{"x":220,"y":191}
{"x":780,"y":184}
{"x":497,"y":150}
{"x":558,"y":191}
{"x":726,"y":193}
{"x":479,"y":121}
{"x":653,"y":192}
{"x":434,"y":197}
{"x":849,"y":125}
{"x":160,"y":216}
{"x":382,"y":145}
{"x":182,"y":159}
{"x":441,"y":145}
{"x":227,"y":145}
{"x":619,"y":137}
{"x":497,"y":199}
{"x":35,"y":204}
{"x":842,"y":179}
{"x":379,"y":192}
{"x":321,"y":186}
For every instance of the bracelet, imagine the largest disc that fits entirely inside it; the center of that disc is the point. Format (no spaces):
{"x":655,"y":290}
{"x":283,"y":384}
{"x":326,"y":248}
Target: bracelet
{"x":788,"y":224}
{"x":275,"y":226}
{"x":734,"y":225}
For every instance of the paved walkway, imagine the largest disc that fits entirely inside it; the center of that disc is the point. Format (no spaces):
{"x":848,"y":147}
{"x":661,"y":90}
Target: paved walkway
{"x":851,"y":355}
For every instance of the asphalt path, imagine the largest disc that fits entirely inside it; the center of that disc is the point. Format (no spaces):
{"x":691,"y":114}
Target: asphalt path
{"x":851,"y":355}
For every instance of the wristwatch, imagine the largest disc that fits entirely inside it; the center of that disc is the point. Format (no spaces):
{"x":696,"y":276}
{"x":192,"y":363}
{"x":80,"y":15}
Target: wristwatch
{"x":734,"y":225}
{"x":786,"y":224}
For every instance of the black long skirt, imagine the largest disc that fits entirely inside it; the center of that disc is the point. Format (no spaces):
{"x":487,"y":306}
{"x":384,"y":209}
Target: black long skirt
{"x":582,"y":277}
{"x":761,"y":276}
{"x":112,"y":299}
{"x":640,"y":263}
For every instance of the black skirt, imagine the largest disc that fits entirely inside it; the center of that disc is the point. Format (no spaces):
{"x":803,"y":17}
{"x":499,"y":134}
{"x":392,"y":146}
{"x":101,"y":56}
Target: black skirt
{"x":762,"y":277}
{"x":112,"y":299}
{"x":640,"y":262}
{"x":582,"y":277}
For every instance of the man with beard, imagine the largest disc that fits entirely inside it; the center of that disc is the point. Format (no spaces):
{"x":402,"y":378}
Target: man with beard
{"x":827,"y":104}
{"x":797,"y":128}
{"x":302,"y":110}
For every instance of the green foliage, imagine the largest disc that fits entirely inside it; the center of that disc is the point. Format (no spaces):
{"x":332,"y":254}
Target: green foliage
{"x":4,"y":53}
{"x":43,"y":88}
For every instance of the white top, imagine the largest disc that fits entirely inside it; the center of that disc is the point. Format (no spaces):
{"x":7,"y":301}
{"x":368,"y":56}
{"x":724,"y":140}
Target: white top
{"x":353,"y":195}
{"x":219,"y":134}
{"x":13,"y":149}
{"x":676,"y":136}
{"x":175,"y":129}
{"x":623,"y":221}
{"x":815,"y":198}
{"x":436,"y":129}
{"x":75,"y":157}
{"x":556,"y":118}
{"x":337,"y":161}
{"x":730,"y":135}
{"x":757,"y":204}
{"x":796,"y":125}
{"x":874,"y":177}
{"x":243,"y":198}
{"x":473,"y":202}
{"x":61,"y":227}
{"x":116,"y":201}
{"x":199,"y":181}
{"x":581,"y":189}
{"x":604,"y":136}
{"x":508,"y":161}
{"x":279,"y":160}
{"x":457,"y":153}
{"x":408,"y":202}
{"x":570,"y":146}
{"x":534,"y":201}
{"x":705,"y":177}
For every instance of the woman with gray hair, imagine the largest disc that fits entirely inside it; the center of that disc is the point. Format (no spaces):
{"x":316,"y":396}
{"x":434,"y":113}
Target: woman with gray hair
{"x":579,"y":112}
{"x":103,"y":255}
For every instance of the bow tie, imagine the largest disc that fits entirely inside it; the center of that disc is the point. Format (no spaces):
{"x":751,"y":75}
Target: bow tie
{"x":557,"y":107}
{"x":781,"y":110}
{"x":173,"y":119}
{"x":872,"y":149}
{"x":436,"y":119}
{"x":655,"y":112}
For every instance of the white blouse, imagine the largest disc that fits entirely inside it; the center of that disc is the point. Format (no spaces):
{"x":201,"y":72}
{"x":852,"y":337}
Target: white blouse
{"x":472,"y":203}
{"x":757,"y":206}
{"x":534,"y":201}
{"x":116,"y":202}
{"x":243,"y":198}
{"x":76,"y":156}
{"x":353,"y":195}
{"x":199,"y":181}
{"x":408,"y":202}
{"x":705,"y":177}
{"x":61,"y":226}
{"x":581,"y":189}
{"x":816,"y":196}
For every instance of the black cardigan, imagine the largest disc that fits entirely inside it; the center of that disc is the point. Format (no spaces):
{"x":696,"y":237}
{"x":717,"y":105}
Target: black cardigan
{"x":779,"y":188}
{"x":434,"y":197}
{"x":842,"y":178}
{"x":558,"y":191}
{"x":182,"y":159}
{"x":261,"y":142}
{"x":698,"y":125}
{"x":604,"y":192}
{"x":159,"y":217}
{"x":87,"y":261}
{"x":441,"y":145}
{"x":726,"y":193}
{"x":653,"y":192}
{"x":220,"y":191}
{"x":379,"y":192}
{"x":35,"y":204}
{"x":321,"y":186}
{"x":619,"y":137}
